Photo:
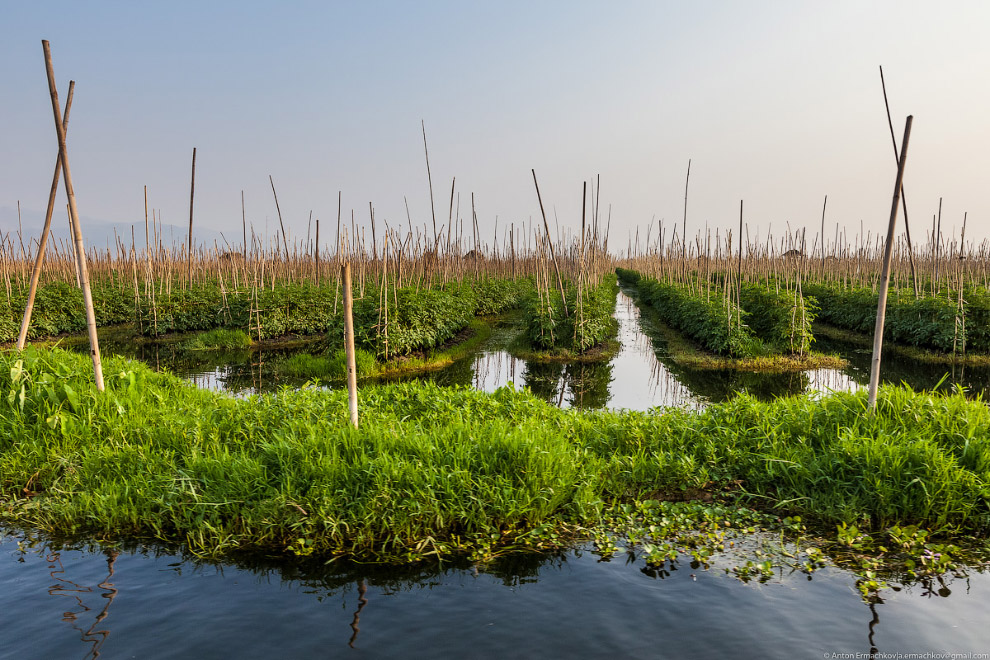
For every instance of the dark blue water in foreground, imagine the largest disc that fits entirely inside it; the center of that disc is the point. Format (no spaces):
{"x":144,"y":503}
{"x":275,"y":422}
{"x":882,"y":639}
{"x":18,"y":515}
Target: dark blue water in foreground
{"x":66,"y":604}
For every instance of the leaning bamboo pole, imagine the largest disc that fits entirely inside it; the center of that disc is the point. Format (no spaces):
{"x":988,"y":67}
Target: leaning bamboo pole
{"x":94,"y":342}
{"x":192,"y":192}
{"x":885,"y":272}
{"x":553,"y":256}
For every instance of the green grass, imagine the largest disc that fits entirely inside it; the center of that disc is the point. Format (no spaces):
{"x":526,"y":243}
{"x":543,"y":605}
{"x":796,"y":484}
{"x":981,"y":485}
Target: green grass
{"x":436,"y":471}
{"x":218,"y":340}
{"x":305,"y":365}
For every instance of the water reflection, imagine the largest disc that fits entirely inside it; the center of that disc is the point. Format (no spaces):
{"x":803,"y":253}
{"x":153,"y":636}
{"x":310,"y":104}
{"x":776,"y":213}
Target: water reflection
{"x":362,"y":601}
{"x":67,"y":588}
{"x":260,"y":607}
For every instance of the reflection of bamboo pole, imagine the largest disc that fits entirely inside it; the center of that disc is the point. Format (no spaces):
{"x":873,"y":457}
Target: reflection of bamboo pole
{"x":94,"y":342}
{"x":362,"y":601}
{"x":885,"y":274}
{"x":40,"y":258}
{"x":349,"y":344}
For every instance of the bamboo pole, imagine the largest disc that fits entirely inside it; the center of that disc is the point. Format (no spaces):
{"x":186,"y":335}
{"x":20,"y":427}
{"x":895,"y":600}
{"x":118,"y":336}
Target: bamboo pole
{"x":94,"y":342}
{"x":429,"y":178}
{"x":244,"y":227}
{"x":40,"y":258}
{"x":349,"y":344}
{"x":687,"y":180}
{"x":907,"y":224}
{"x":885,"y":273}
{"x":553,"y":256}
{"x":192,"y":192}
{"x":285,"y":242}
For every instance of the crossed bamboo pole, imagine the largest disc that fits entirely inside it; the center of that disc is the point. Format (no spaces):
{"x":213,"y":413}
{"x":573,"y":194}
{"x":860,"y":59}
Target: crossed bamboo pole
{"x":61,"y":124}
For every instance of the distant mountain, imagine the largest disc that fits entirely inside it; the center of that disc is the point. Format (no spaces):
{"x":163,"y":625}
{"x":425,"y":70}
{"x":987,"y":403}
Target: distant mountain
{"x":96,"y":233}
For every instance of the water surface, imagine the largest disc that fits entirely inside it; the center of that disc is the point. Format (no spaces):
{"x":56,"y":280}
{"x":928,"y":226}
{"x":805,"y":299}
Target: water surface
{"x":84,"y":603}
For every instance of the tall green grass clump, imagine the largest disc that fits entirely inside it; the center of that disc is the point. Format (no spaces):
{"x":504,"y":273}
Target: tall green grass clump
{"x":441,"y":471}
{"x":330,"y":367}
{"x":218,"y":340}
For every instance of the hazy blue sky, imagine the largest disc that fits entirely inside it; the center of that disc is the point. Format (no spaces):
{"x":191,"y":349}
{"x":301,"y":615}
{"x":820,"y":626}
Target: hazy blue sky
{"x":776,"y":103}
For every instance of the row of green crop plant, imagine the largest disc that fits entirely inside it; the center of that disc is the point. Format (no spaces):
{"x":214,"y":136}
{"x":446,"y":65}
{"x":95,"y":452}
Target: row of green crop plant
{"x":301,"y":309}
{"x":781,"y":318}
{"x":407,"y":320}
{"x":931,"y":322}
{"x":306,"y":309}
{"x":285,"y":309}
{"x":768,"y":319}
{"x":414,"y":320}
{"x":438,"y":471}
{"x":58,"y":309}
{"x":577,"y":321}
{"x":715,"y":323}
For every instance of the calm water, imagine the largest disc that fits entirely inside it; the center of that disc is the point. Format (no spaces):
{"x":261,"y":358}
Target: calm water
{"x":68,"y":604}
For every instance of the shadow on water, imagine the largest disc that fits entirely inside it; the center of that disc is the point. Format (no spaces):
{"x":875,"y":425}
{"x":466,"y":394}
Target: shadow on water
{"x":83,"y":600}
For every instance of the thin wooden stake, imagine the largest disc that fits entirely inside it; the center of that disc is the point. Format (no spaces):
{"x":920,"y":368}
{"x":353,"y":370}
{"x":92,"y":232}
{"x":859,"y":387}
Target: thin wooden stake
{"x":349,"y":344}
{"x":285,"y":242}
{"x":885,"y":273}
{"x":192,"y":192}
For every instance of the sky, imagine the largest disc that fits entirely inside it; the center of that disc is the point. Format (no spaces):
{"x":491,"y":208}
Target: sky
{"x":774,"y":103}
